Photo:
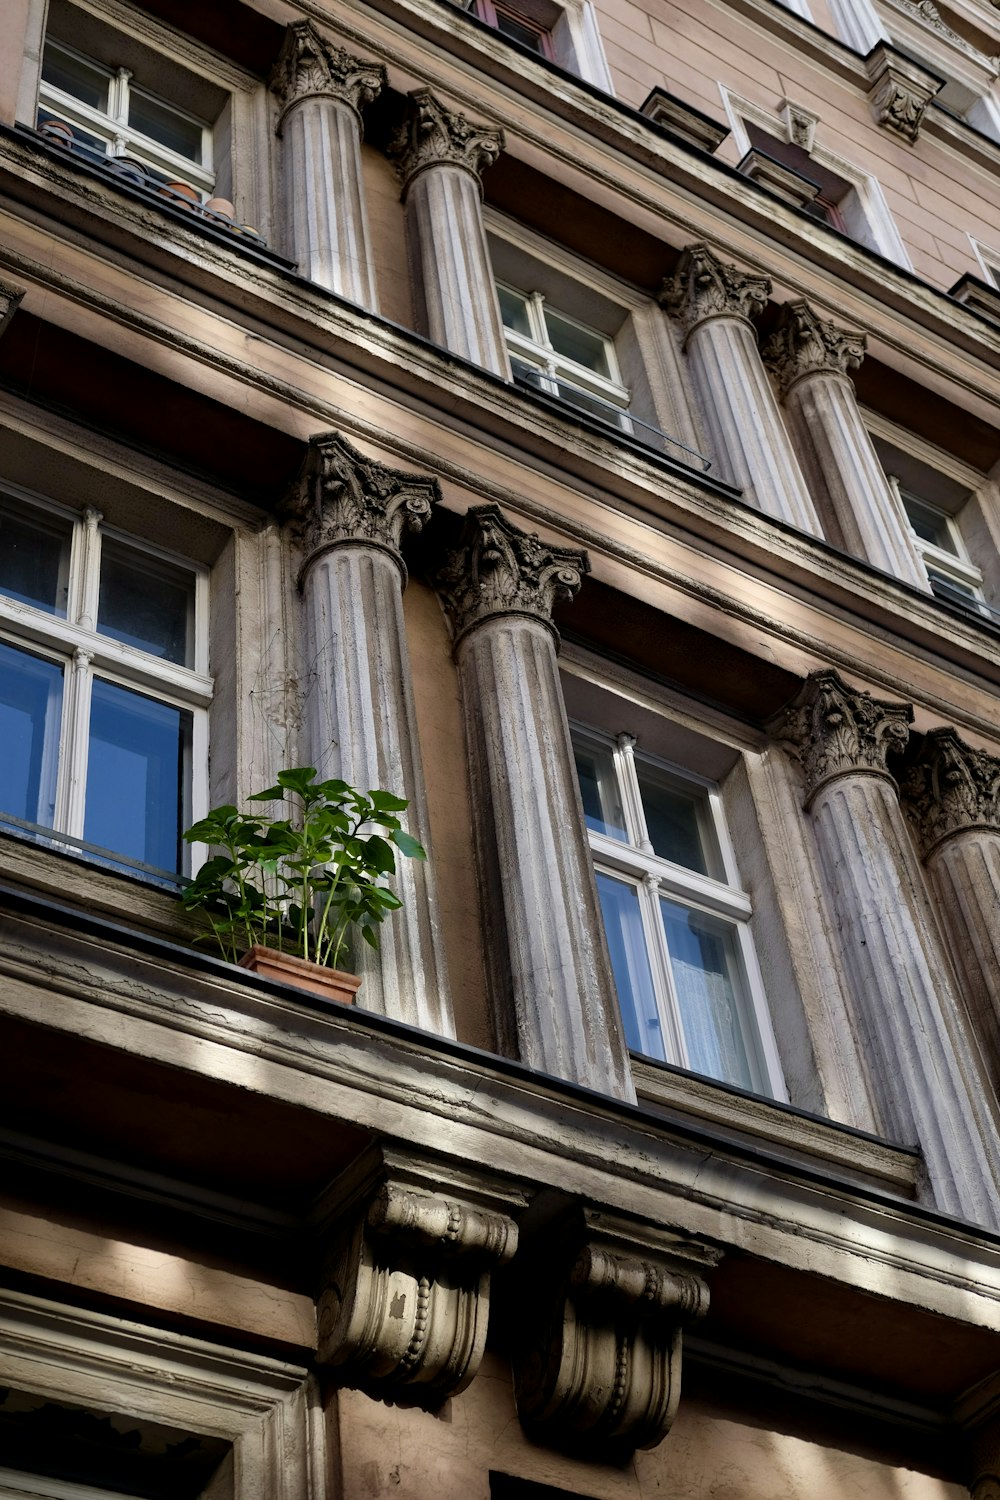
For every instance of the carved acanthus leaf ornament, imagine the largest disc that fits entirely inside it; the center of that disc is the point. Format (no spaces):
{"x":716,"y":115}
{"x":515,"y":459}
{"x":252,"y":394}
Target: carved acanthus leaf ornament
{"x":310,"y":66}
{"x":835,"y":730}
{"x":804,"y":344}
{"x":500,"y":570}
{"x":704,"y":286}
{"x":404,"y":1305}
{"x":432,"y":135}
{"x":951,"y":788}
{"x":342,"y":497}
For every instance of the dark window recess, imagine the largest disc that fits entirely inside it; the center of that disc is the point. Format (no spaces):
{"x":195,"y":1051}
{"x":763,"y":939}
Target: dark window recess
{"x":516,"y":25}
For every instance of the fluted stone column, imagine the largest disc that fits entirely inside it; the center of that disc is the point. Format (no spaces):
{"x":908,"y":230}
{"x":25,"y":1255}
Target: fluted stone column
{"x":714,"y":301}
{"x":322,"y":89}
{"x":810,"y":358}
{"x":952,"y":794}
{"x":925,"y":1068}
{"x":547,"y":963}
{"x":349,"y":514}
{"x":439,"y":156}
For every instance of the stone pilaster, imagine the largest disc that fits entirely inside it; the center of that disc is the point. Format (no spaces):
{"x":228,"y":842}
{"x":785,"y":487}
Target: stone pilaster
{"x":602,"y":1304}
{"x":900,"y":91}
{"x":439,"y":156}
{"x":549,"y":976}
{"x":925,"y":1066}
{"x":713,"y":301}
{"x":952,"y":794}
{"x":811,"y":358}
{"x":321,"y":90}
{"x":10,"y":300}
{"x":406,"y":1261}
{"x":349,"y":515}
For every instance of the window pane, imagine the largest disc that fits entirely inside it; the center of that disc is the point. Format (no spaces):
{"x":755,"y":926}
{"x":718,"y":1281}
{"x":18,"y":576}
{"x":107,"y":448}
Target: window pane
{"x":528,"y":374}
{"x":929,"y":524}
{"x":578,"y":344}
{"x":164,"y":125}
{"x":630,"y":964}
{"x":528,"y":36}
{"x":136,"y":775}
{"x":678,"y":820}
{"x":83,"y":80}
{"x":605,"y":411}
{"x":34,"y":557}
{"x":146,"y":603}
{"x":602,"y":807}
{"x":708,"y":981}
{"x":514,"y":311}
{"x":30,"y":713}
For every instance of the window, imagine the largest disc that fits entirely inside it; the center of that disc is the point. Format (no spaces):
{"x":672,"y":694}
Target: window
{"x":103,"y":692}
{"x":949,"y":572}
{"x":552,"y":352}
{"x":516,"y":25}
{"x":675,"y":918}
{"x":111,"y":114}
{"x":564,"y":31}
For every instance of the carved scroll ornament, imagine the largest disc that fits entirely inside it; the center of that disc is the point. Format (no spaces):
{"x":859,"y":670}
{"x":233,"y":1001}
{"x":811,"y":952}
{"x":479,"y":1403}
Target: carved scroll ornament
{"x":432,"y":135}
{"x":342,"y":497}
{"x":951,"y":788}
{"x":704,"y":286}
{"x":804,"y":344}
{"x":500,"y":570}
{"x":835,"y":730}
{"x":310,"y":66}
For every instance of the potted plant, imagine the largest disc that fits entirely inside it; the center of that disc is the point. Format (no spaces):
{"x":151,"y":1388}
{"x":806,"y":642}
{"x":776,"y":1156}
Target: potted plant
{"x":291,"y":891}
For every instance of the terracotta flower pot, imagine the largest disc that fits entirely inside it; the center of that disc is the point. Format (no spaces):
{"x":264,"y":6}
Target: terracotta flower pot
{"x":221,"y":207}
{"x":332,"y":984}
{"x":181,"y":194}
{"x":58,"y":131}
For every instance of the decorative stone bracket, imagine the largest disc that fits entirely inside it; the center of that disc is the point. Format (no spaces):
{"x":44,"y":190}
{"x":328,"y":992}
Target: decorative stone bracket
{"x":900,"y":90}
{"x":405,"y":1287}
{"x":601,"y":1304}
{"x":10,"y":300}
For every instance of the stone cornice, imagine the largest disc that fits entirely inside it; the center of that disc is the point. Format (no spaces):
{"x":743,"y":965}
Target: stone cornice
{"x":703,"y":287}
{"x":951,"y":788}
{"x":343,"y":498}
{"x":835,"y":730}
{"x":432,"y":136}
{"x":804,"y":344}
{"x":501,"y":570}
{"x":309,"y":66}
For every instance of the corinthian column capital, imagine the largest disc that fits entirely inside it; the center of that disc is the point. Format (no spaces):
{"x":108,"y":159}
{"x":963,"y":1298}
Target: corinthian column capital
{"x":804,"y":344}
{"x":835,"y":730}
{"x":433,"y":136}
{"x":500,"y":570}
{"x":309,"y":65}
{"x":951,"y":788}
{"x":704,"y":287}
{"x":343,"y":497}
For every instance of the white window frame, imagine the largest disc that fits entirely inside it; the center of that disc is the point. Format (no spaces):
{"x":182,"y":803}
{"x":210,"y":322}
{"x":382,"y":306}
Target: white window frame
{"x":113,"y":127}
{"x":652,"y":876}
{"x":76,"y":644}
{"x":871,"y":200}
{"x":576,"y":39}
{"x":538,"y":351}
{"x":989,"y":261}
{"x":952,"y":564}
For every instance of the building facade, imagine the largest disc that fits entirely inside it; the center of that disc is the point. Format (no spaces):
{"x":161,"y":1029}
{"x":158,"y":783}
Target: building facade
{"x":582,"y":420}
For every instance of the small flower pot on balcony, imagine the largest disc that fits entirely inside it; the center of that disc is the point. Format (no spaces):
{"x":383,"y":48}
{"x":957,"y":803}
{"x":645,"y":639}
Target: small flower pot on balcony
{"x":57,"y":131}
{"x":317,"y":979}
{"x":129,"y":171}
{"x":181,"y":194}
{"x":220,"y":208}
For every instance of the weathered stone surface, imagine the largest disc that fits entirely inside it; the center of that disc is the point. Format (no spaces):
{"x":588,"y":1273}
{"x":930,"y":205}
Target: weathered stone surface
{"x":432,"y":135}
{"x":548,"y":973}
{"x":951,"y":788}
{"x":602,"y":1305}
{"x":900,"y":91}
{"x":322,"y":90}
{"x":703,"y":286}
{"x":349,"y":514}
{"x":811,"y":358}
{"x":405,"y":1289}
{"x":926,"y":1067}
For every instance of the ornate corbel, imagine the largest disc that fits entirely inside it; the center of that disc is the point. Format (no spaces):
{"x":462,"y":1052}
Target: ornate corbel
{"x":500,"y":570}
{"x":951,"y":788}
{"x":432,"y":135}
{"x":834,"y":730}
{"x":10,"y":301}
{"x":405,"y":1286}
{"x":343,"y":498}
{"x":900,"y":90}
{"x":800,"y":124}
{"x":602,"y":1301}
{"x":804,"y":344}
{"x":704,"y":287}
{"x":310,"y":66}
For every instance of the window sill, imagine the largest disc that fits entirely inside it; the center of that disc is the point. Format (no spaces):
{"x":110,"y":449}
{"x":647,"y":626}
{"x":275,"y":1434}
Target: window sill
{"x":804,"y":1139}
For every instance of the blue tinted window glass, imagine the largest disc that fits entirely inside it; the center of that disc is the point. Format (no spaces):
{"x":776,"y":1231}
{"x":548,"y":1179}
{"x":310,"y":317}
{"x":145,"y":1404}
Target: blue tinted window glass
{"x":136,"y":775}
{"x":706,"y":969}
{"x":34,"y":557}
{"x":30,"y":712}
{"x":146,"y":602}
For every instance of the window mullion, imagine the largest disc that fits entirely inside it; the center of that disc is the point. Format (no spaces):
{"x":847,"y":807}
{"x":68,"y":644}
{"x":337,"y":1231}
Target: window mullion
{"x":631,"y":798}
{"x":85,"y":604}
{"x":663,"y":977}
{"x":72,"y":784}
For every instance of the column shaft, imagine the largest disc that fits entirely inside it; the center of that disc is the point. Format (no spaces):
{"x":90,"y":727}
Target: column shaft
{"x":965,"y":875}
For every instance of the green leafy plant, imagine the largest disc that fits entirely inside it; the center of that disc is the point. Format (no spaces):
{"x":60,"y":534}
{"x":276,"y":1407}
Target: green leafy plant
{"x":301,"y":883}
